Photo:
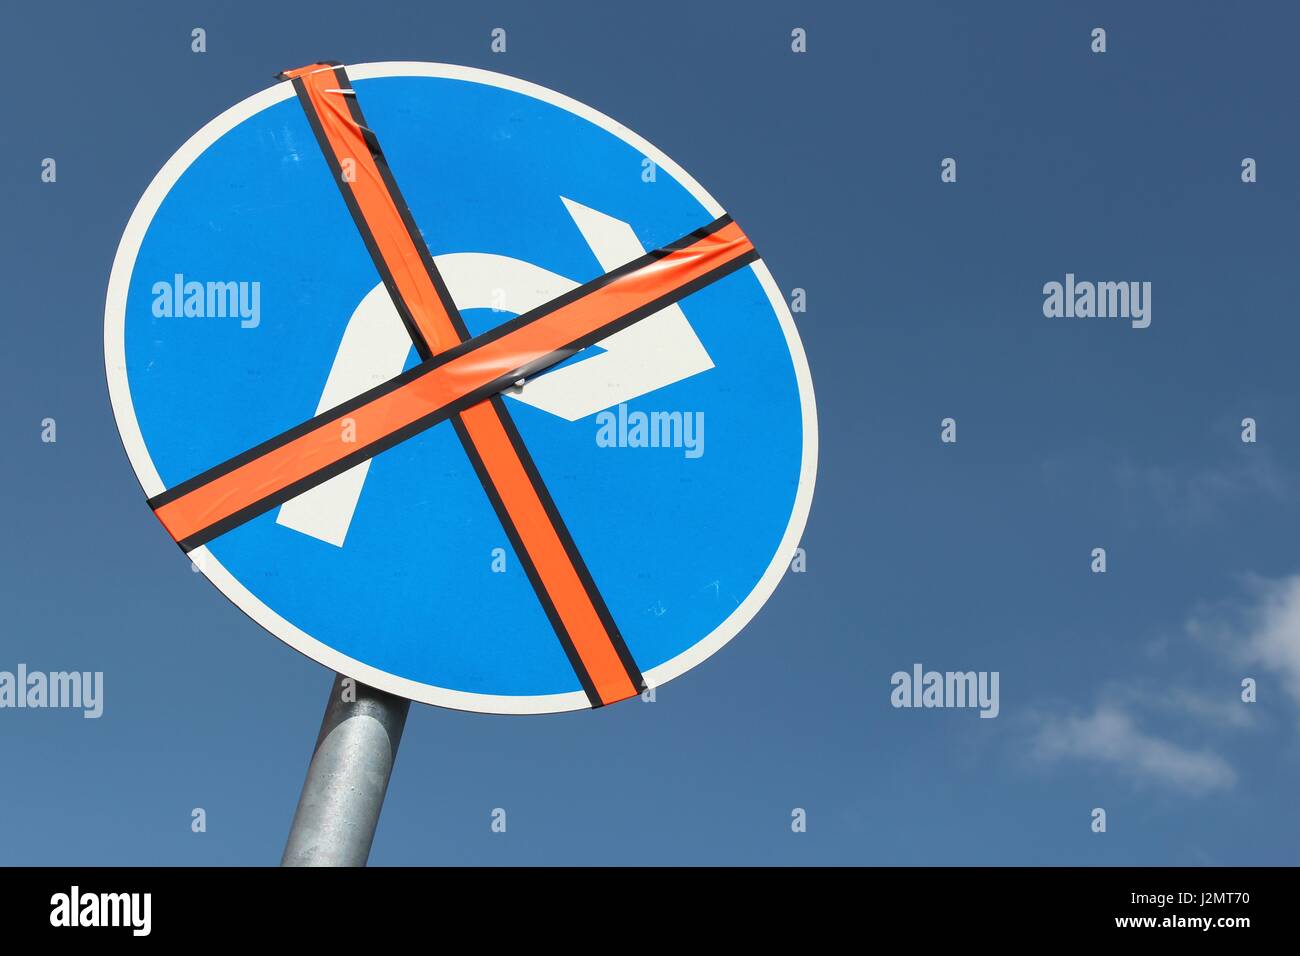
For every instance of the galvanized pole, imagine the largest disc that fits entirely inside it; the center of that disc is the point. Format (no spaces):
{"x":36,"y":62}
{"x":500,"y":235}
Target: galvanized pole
{"x":338,"y":811}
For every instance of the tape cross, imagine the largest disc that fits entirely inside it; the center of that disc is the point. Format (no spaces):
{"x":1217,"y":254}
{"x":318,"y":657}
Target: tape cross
{"x":459,"y":379}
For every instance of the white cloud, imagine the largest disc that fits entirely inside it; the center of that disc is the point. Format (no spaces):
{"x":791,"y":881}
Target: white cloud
{"x":1259,"y":632}
{"x":1221,"y":709}
{"x":1200,"y":494}
{"x":1110,"y":736}
{"x":1264,"y":632}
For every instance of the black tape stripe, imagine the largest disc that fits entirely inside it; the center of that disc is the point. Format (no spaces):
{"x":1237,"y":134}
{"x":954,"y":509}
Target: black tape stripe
{"x":525,"y":559}
{"x":570,"y":547}
{"x":492,"y":389}
{"x":587,"y":288}
{"x":284,"y":74}
{"x":440,"y":414}
{"x":498,"y":384}
{"x":403,"y":210}
{"x":462,"y":332}
{"x":363,"y":227}
{"x":297,"y":431}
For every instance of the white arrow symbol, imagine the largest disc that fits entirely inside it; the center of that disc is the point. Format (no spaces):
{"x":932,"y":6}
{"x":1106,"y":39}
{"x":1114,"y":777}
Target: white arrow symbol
{"x":657,"y":351}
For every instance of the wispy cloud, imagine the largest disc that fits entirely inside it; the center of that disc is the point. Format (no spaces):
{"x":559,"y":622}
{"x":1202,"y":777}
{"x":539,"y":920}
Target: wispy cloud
{"x":1109,"y":735}
{"x":1259,"y":628}
{"x":1263,"y":630}
{"x":1200,"y":493}
{"x":1221,"y":709}
{"x":1179,"y":492}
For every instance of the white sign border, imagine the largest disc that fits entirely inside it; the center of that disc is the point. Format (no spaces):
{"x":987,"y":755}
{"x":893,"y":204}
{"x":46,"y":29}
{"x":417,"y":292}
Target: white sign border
{"x":133,"y":440}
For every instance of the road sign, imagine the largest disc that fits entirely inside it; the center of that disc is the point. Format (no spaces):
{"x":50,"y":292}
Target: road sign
{"x":460,"y":388}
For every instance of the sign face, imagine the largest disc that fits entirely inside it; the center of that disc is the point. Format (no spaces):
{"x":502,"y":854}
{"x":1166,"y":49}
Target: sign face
{"x":460,"y":388}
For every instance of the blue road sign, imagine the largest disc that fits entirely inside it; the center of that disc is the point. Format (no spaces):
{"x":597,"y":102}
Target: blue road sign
{"x":675,"y":454}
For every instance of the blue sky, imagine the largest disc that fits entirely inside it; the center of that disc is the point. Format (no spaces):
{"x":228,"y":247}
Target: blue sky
{"x":1118,"y":691}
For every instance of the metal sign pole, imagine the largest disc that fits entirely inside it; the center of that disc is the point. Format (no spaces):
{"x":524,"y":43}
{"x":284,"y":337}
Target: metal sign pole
{"x":338,"y":811}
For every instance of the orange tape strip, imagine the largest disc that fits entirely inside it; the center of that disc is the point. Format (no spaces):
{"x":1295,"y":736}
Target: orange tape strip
{"x":329,"y":444}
